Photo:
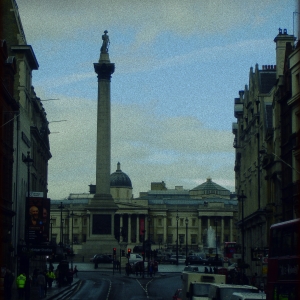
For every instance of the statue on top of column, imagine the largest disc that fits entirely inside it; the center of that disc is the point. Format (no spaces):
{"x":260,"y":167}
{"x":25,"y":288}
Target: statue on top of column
{"x":106,"y":42}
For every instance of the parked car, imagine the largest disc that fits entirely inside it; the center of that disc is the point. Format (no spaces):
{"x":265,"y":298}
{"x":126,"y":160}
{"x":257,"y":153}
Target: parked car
{"x":177,"y":295}
{"x":101,"y":259}
{"x":196,"y":260}
{"x":181,"y":259}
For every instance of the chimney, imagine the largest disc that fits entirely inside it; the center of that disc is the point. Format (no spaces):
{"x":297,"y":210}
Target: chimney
{"x":281,"y":39}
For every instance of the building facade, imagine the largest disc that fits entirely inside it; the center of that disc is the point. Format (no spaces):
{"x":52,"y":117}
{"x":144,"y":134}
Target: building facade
{"x":267,"y":159}
{"x":30,"y":131}
{"x":157,"y":216}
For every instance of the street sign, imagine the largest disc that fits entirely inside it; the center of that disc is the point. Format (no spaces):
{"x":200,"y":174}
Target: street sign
{"x":36,"y":250}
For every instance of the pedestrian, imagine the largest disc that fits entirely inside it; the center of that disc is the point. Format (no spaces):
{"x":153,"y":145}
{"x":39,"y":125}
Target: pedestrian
{"x":253,"y":279}
{"x":150,"y":269}
{"x":8,"y":281}
{"x":41,"y":283}
{"x":34,"y":276}
{"x":50,"y":276}
{"x":57,"y":276}
{"x":21,"y":281}
{"x":45,"y":286}
{"x":75,"y":271}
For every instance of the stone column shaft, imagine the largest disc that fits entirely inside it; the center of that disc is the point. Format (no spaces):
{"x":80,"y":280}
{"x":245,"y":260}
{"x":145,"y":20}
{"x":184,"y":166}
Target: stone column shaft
{"x":129,"y":228}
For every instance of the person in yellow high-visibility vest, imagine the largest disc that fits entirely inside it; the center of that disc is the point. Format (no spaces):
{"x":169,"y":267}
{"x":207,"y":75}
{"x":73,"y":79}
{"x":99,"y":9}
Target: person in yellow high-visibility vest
{"x":50,"y":277}
{"x":21,"y":281}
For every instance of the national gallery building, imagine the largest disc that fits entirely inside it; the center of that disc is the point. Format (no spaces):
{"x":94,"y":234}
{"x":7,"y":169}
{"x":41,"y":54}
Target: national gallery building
{"x":159,"y":216}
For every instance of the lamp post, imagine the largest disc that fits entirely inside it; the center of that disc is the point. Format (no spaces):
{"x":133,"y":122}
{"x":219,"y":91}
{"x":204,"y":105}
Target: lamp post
{"x":177,"y":218}
{"x":216,"y":221}
{"x":149,"y":239}
{"x":61,"y":207}
{"x":242,"y":197}
{"x":144,"y":231}
{"x":51,"y":220}
{"x":186,"y":240}
{"x":28,"y":160}
{"x":72,"y":240}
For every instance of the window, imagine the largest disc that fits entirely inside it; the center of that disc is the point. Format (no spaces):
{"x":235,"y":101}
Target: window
{"x":84,"y":222}
{"x":159,"y":222}
{"x":75,"y":222}
{"x":170,"y":238}
{"x":181,"y":222}
{"x":181,"y":238}
{"x":193,"y":238}
{"x":193,"y":222}
{"x":169,"y":221}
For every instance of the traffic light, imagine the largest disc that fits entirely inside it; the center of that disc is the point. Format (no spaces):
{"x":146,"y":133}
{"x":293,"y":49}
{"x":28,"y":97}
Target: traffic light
{"x":114,"y":251}
{"x":128,"y":251}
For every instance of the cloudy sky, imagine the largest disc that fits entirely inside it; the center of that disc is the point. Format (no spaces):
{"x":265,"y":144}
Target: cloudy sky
{"x":178,"y":67}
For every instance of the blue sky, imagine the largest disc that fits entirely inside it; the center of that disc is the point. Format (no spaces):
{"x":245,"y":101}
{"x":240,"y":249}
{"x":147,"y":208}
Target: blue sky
{"x":178,"y":67}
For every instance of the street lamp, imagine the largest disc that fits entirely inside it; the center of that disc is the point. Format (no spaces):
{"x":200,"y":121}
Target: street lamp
{"x":177,"y":219}
{"x":72,"y":215}
{"x":28,"y":160}
{"x":51,"y":220}
{"x":242,"y":197}
{"x":186,"y":241}
{"x":216,"y":221}
{"x":144,"y":231}
{"x":149,"y":239}
{"x":61,"y":207}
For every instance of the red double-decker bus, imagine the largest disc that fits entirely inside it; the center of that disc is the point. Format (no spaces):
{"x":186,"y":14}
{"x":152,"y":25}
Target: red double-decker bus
{"x":229,"y":250}
{"x":283,"y":282}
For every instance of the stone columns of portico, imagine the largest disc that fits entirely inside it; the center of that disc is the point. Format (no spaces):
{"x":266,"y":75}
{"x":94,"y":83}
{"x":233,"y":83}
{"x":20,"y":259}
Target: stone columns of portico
{"x":137,"y":228}
{"x":121,"y":227}
{"x":165,"y":230}
{"x":199,"y":231}
{"x":222,"y":230}
{"x":129,"y":229}
{"x":230,"y":230}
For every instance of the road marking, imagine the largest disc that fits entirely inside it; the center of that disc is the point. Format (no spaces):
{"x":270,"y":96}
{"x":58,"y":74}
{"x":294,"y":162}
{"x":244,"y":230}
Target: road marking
{"x":146,"y":287}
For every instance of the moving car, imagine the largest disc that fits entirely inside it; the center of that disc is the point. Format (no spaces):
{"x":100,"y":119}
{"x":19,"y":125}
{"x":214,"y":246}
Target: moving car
{"x":135,"y":258}
{"x":191,"y":269}
{"x":177,"y":295}
{"x":101,"y":259}
{"x":181,"y":259}
{"x":247,"y":296}
{"x":225,"y":291}
{"x":196,"y":260}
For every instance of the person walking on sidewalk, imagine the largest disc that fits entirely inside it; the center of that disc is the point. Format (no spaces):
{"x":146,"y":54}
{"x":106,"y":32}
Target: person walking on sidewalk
{"x":75,"y":271}
{"x":21,"y":281}
{"x":41,"y":283}
{"x":50,"y":276}
{"x":8,"y":281}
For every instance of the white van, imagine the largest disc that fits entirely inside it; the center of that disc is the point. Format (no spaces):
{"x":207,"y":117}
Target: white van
{"x":195,"y":285}
{"x":135,"y":258}
{"x":225,"y":291}
{"x":247,"y":296}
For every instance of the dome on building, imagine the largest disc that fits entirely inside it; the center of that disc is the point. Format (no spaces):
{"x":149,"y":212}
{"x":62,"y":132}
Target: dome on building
{"x":210,"y":188}
{"x":119,"y":178}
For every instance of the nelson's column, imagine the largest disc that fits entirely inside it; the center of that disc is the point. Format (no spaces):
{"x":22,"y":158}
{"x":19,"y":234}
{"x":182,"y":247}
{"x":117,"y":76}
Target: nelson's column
{"x":102,"y":207}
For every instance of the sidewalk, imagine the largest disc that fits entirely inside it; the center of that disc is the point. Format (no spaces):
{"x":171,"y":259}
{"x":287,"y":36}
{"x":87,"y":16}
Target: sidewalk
{"x":52,"y":293}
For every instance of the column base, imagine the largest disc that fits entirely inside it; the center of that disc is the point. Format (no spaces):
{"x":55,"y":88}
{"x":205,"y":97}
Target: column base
{"x":103,"y":201}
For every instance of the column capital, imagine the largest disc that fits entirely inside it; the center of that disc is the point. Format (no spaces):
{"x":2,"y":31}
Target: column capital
{"x":104,"y":70}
